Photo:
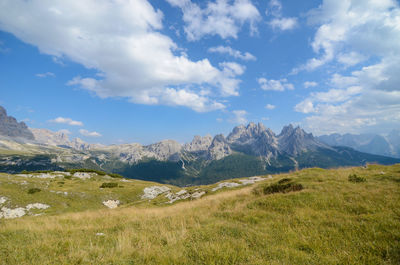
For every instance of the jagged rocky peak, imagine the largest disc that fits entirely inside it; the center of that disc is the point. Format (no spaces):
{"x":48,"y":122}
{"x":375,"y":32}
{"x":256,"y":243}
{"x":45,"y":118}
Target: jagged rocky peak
{"x":293,"y":140}
{"x":199,"y":144}
{"x":243,"y":134}
{"x":219,"y":148}
{"x":48,"y":137}
{"x":10,"y":127}
{"x":165,"y":149}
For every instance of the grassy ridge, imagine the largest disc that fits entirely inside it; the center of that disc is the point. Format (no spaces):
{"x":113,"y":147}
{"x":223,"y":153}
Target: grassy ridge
{"x":331,"y":221}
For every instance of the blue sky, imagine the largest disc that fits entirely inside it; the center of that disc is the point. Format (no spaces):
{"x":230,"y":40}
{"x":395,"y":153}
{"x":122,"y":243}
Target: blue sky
{"x":143,"y":71}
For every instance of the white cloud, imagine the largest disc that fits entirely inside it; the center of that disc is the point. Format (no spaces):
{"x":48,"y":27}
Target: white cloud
{"x":135,"y":61}
{"x":308,"y":84}
{"x":270,"y":106}
{"x":232,"y":52}
{"x":89,"y":134}
{"x":368,"y":98}
{"x":239,"y":117}
{"x":67,"y":121}
{"x":351,"y":58}
{"x":47,"y":74}
{"x":278,"y":21}
{"x":306,"y":106}
{"x":223,"y":17}
{"x":274,"y":85}
{"x":283,"y":23}
{"x":361,"y":28}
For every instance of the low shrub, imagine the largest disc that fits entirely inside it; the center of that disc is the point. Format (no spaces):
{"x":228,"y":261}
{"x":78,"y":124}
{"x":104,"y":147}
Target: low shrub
{"x":109,"y":185}
{"x":282,"y":186}
{"x":86,"y":170}
{"x":33,"y":190}
{"x":356,"y":179}
{"x":114,"y":175}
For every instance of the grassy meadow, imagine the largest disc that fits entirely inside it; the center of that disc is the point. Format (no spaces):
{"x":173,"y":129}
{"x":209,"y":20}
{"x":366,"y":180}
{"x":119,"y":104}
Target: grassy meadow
{"x":330,"y":221}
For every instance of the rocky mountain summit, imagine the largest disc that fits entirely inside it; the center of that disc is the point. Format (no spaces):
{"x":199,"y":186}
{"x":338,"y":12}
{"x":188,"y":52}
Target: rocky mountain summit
{"x":10,"y":127}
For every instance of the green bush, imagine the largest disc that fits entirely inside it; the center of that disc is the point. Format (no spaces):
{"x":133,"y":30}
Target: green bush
{"x":113,"y":175}
{"x":282,"y":186}
{"x":86,"y":170}
{"x":33,"y":190}
{"x":37,"y":171}
{"x":109,"y":185}
{"x":356,"y":179}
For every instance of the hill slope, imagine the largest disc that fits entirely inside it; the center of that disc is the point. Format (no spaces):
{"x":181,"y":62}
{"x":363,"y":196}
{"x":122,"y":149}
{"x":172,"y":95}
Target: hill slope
{"x":330,"y":221}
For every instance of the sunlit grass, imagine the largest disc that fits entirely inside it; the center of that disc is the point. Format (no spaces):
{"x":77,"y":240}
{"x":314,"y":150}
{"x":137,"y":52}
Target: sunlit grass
{"x":330,"y":221}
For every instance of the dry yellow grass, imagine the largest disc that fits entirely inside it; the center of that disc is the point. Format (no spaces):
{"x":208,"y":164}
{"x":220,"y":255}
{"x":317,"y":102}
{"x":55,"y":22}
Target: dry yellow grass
{"x":332,"y":221}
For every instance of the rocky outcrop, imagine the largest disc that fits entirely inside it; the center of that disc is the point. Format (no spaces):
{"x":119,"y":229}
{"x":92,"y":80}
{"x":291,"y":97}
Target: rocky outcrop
{"x":219,"y":148}
{"x":254,"y":139}
{"x":198,"y":144}
{"x":48,"y":137}
{"x":293,"y":141}
{"x":10,"y":127}
{"x":164,"y":150}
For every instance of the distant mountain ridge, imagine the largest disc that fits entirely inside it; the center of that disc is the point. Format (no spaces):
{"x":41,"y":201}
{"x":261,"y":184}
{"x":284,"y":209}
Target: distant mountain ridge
{"x":370,"y":143}
{"x":247,"y":151}
{"x":9,"y":126}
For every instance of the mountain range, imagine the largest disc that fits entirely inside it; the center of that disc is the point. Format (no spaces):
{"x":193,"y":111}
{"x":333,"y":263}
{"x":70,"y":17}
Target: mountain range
{"x":388,"y":145}
{"x":247,"y":151}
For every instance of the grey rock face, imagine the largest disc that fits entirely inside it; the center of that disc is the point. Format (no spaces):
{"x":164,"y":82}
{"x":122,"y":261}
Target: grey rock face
{"x":198,"y":144}
{"x":164,"y":150}
{"x":219,"y":148}
{"x":48,"y":137}
{"x":254,"y":140}
{"x":10,"y":127}
{"x":293,"y":141}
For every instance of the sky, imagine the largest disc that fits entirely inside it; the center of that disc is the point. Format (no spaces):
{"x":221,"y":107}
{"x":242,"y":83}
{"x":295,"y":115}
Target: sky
{"x":121,"y":71}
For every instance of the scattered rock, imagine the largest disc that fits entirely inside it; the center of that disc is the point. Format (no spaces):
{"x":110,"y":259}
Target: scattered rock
{"x":3,"y":199}
{"x":226,"y":184}
{"x":111,"y":203}
{"x":8,"y":213}
{"x":181,"y":192}
{"x":251,"y":180}
{"x":41,"y":176}
{"x":37,"y":206}
{"x":198,"y":194}
{"x":154,"y":191}
{"x":125,"y":180}
{"x":82,"y":175}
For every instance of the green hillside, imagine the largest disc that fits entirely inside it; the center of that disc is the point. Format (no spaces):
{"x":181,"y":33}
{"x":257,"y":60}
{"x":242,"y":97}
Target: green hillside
{"x":312,"y":216}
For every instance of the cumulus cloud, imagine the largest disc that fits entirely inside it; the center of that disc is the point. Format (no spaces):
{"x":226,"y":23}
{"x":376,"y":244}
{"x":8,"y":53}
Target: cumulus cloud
{"x":367,"y":98}
{"x":350,"y":31}
{"x":239,"y":117}
{"x":270,"y":106}
{"x":224,"y":18}
{"x":308,"y":84}
{"x":274,"y":85}
{"x":135,"y":61}
{"x":67,"y":121}
{"x":232,"y":52}
{"x":47,"y":74}
{"x":278,"y":22}
{"x":89,"y":134}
